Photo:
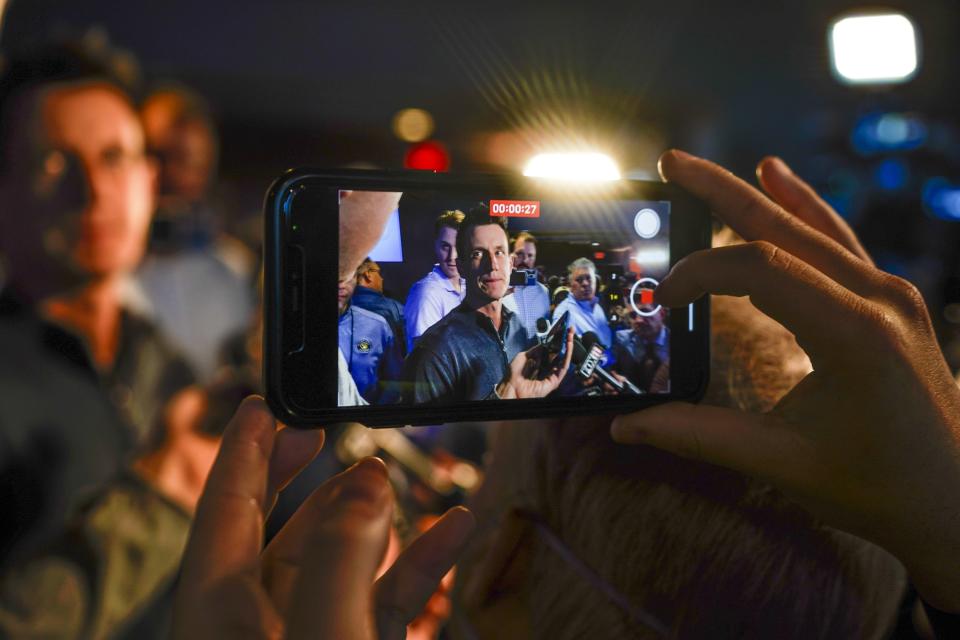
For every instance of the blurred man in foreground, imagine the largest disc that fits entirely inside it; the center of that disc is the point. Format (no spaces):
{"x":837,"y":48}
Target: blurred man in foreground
{"x":87,"y":385}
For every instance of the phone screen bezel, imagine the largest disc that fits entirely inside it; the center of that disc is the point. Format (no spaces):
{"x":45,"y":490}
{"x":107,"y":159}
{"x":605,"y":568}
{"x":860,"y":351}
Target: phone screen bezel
{"x":301,"y":381}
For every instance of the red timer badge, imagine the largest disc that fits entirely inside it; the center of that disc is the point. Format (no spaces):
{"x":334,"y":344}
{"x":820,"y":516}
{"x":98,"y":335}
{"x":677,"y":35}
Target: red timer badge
{"x":515,"y":208}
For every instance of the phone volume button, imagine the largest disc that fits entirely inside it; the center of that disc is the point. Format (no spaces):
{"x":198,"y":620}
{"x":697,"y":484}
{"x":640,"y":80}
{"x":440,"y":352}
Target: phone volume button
{"x":293,"y":326}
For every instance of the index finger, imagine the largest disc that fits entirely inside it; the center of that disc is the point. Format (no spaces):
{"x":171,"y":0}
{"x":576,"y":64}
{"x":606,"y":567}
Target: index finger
{"x":227,"y":533}
{"x":756,"y":217}
{"x":827,"y":319}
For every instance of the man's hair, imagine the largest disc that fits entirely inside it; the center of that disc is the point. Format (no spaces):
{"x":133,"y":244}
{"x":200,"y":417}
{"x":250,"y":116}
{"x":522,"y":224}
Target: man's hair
{"x":525,"y":236}
{"x":478,"y":216}
{"x":366,"y":266}
{"x":61,"y":62}
{"x":187,"y":105}
{"x":581,"y":263}
{"x":451,"y":218}
{"x":709,"y":552}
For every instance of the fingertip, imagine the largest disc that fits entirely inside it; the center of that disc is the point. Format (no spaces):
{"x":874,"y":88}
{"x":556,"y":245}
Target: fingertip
{"x":365,"y":483}
{"x":772,"y":166}
{"x":668,"y":161}
{"x":252,"y":421}
{"x":372,"y":464}
{"x":463,"y":518}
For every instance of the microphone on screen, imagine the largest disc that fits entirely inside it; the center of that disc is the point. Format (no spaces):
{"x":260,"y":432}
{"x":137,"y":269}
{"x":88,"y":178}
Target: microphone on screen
{"x":587,"y":355}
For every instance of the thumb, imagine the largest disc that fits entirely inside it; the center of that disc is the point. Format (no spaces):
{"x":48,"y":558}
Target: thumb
{"x":751,"y":443}
{"x":333,"y":597}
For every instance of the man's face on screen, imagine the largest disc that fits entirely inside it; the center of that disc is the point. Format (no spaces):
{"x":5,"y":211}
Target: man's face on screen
{"x":582,"y":284}
{"x":524,"y":255}
{"x":344,"y":292}
{"x":647,"y":327}
{"x":445,"y":249}
{"x":487,"y":266}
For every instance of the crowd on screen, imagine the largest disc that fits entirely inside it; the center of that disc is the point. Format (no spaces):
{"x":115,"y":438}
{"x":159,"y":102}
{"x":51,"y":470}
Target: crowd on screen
{"x":377,"y":334}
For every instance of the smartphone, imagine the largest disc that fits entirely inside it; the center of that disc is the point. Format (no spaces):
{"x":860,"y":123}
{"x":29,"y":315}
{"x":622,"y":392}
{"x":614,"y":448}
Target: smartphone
{"x":476,"y":342}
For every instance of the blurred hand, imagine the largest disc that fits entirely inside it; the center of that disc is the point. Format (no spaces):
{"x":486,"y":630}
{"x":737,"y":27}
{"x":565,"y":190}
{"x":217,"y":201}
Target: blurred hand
{"x":869,"y":440}
{"x":316,"y":578}
{"x":179,"y":467}
{"x":523,"y":382}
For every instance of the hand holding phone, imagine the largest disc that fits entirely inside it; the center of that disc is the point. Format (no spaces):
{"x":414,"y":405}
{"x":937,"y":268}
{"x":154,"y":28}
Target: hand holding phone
{"x":868,"y":441}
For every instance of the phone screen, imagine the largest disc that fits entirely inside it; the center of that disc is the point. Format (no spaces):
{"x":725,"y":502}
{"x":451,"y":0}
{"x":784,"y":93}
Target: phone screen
{"x":468,"y":299}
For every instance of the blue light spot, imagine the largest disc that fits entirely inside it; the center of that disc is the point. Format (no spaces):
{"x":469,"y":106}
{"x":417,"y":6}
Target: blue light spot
{"x":891,"y":174}
{"x":942,"y":199}
{"x":879,"y":132}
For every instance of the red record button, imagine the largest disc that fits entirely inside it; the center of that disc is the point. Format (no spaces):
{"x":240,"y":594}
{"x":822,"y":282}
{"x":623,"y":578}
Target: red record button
{"x":515,"y":208}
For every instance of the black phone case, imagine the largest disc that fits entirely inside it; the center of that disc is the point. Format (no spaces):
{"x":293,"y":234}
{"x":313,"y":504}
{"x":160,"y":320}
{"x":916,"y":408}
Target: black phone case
{"x":281,"y":250}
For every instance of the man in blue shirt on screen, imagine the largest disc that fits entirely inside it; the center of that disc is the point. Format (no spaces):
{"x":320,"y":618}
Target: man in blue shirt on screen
{"x":440,"y":291}
{"x":369,"y":295}
{"x":586,"y":314}
{"x":368,"y":346}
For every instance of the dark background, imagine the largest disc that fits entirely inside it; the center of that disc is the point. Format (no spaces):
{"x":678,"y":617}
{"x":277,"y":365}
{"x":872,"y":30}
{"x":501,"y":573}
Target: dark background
{"x":296,"y":82}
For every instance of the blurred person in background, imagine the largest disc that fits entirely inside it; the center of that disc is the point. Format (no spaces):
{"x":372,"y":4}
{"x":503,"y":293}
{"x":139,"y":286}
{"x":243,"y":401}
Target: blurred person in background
{"x":101,"y":465}
{"x":369,"y":295}
{"x":197,"y":279}
{"x":443,"y":289}
{"x":530,"y":301}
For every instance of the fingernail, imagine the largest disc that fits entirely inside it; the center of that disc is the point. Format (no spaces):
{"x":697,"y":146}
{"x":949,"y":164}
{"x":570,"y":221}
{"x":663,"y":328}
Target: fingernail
{"x":677,"y":155}
{"x":777,"y":164}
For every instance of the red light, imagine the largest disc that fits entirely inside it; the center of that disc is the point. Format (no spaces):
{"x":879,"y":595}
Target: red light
{"x":599,"y":255}
{"x":429,"y":156}
{"x":646,"y":296}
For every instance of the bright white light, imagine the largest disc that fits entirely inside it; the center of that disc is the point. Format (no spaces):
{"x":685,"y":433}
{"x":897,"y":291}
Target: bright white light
{"x":652,"y":257}
{"x":580,"y":167}
{"x":874,"y":48}
{"x":646,"y":223}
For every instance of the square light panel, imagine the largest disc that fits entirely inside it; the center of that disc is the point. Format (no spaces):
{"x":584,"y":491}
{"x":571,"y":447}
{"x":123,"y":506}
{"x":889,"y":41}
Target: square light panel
{"x":873,"y":49}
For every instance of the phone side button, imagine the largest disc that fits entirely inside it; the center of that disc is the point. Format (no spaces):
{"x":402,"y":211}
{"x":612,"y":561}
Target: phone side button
{"x":293,"y":328}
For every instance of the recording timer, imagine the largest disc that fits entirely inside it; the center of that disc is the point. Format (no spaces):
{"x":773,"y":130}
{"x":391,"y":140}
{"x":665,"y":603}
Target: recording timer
{"x":515,"y":208}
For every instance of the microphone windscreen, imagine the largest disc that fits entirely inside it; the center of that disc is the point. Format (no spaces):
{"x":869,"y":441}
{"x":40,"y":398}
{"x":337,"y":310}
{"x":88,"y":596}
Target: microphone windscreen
{"x":589,"y":339}
{"x":579,"y":353}
{"x":542,"y":325}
